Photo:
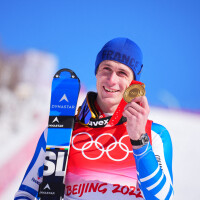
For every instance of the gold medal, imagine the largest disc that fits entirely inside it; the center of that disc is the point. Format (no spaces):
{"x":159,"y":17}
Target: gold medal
{"x":134,"y":90}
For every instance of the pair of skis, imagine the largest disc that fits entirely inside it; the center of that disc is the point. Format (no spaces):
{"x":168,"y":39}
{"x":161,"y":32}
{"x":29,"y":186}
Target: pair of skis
{"x":64,"y":96}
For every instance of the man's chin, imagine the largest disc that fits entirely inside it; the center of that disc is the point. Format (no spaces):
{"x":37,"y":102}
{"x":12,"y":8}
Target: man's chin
{"x":110,"y":102}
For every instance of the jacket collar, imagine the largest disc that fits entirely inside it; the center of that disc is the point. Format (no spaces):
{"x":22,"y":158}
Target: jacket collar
{"x":88,"y":110}
{"x":88,"y":115}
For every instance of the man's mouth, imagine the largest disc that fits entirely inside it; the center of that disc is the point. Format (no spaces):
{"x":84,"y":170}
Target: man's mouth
{"x":110,"y":90}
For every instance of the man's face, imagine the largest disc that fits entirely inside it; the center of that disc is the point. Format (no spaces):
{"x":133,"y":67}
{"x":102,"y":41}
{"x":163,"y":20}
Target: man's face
{"x":112,"y":80}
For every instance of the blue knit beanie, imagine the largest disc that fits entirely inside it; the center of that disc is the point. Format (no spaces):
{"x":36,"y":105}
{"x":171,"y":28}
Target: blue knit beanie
{"x":124,"y":51}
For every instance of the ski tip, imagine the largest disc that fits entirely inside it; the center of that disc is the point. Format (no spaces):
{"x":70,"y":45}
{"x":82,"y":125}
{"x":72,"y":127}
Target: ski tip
{"x":66,"y":72}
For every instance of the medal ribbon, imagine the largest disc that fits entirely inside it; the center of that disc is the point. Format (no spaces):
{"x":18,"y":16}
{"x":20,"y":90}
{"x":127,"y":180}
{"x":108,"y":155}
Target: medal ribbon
{"x":118,"y":113}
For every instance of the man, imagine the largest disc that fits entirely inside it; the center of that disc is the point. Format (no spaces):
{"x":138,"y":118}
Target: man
{"x":128,"y":159}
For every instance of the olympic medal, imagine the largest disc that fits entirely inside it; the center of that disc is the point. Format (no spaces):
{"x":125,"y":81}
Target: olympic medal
{"x":134,"y":90}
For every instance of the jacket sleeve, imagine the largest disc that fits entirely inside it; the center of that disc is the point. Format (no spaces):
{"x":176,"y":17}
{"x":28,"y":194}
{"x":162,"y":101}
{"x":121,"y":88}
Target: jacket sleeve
{"x":154,"y":165}
{"x":33,"y":177}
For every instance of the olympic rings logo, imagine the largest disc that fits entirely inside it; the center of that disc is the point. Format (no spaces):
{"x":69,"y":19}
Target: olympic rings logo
{"x":99,"y":146}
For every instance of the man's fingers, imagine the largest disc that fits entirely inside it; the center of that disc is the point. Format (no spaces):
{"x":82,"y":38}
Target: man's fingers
{"x":141,"y":101}
{"x":138,"y":104}
{"x":130,"y":112}
{"x":134,"y":109}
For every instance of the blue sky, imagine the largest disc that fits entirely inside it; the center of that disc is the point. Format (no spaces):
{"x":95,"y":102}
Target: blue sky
{"x":168,"y":32}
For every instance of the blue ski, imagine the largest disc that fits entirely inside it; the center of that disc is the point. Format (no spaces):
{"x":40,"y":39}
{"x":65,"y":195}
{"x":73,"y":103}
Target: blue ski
{"x":64,"y":96}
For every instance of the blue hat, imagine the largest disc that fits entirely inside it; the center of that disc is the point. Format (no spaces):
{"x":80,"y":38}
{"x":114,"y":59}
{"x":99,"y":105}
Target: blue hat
{"x":124,"y":51}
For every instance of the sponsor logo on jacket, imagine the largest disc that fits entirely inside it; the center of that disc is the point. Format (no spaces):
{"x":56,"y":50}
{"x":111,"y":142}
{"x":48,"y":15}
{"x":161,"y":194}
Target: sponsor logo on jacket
{"x":98,"y":123}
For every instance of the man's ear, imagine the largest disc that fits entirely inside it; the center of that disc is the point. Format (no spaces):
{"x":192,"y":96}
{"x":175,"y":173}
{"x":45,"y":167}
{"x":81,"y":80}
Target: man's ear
{"x":133,"y":75}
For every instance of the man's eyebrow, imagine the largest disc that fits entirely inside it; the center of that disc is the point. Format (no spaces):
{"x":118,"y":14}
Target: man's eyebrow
{"x":120,"y":69}
{"x":107,"y":64}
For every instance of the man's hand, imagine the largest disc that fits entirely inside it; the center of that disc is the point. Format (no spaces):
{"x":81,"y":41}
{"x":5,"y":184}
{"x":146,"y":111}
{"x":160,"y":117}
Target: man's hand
{"x":136,"y":112}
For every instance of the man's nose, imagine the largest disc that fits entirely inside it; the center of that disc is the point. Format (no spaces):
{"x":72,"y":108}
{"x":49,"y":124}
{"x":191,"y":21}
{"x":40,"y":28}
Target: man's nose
{"x":113,"y":78}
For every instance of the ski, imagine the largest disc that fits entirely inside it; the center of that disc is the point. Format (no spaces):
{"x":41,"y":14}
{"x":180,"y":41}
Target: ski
{"x":64,"y":95}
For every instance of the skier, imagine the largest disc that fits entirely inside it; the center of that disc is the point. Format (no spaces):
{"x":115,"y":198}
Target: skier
{"x":130,"y":159}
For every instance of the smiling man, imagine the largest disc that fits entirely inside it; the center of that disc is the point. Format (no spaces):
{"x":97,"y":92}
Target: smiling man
{"x":112,"y":80}
{"x":131,"y":159}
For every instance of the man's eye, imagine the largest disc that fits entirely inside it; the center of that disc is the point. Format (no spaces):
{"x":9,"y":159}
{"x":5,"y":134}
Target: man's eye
{"x":123,"y":73}
{"x":106,"y":68}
